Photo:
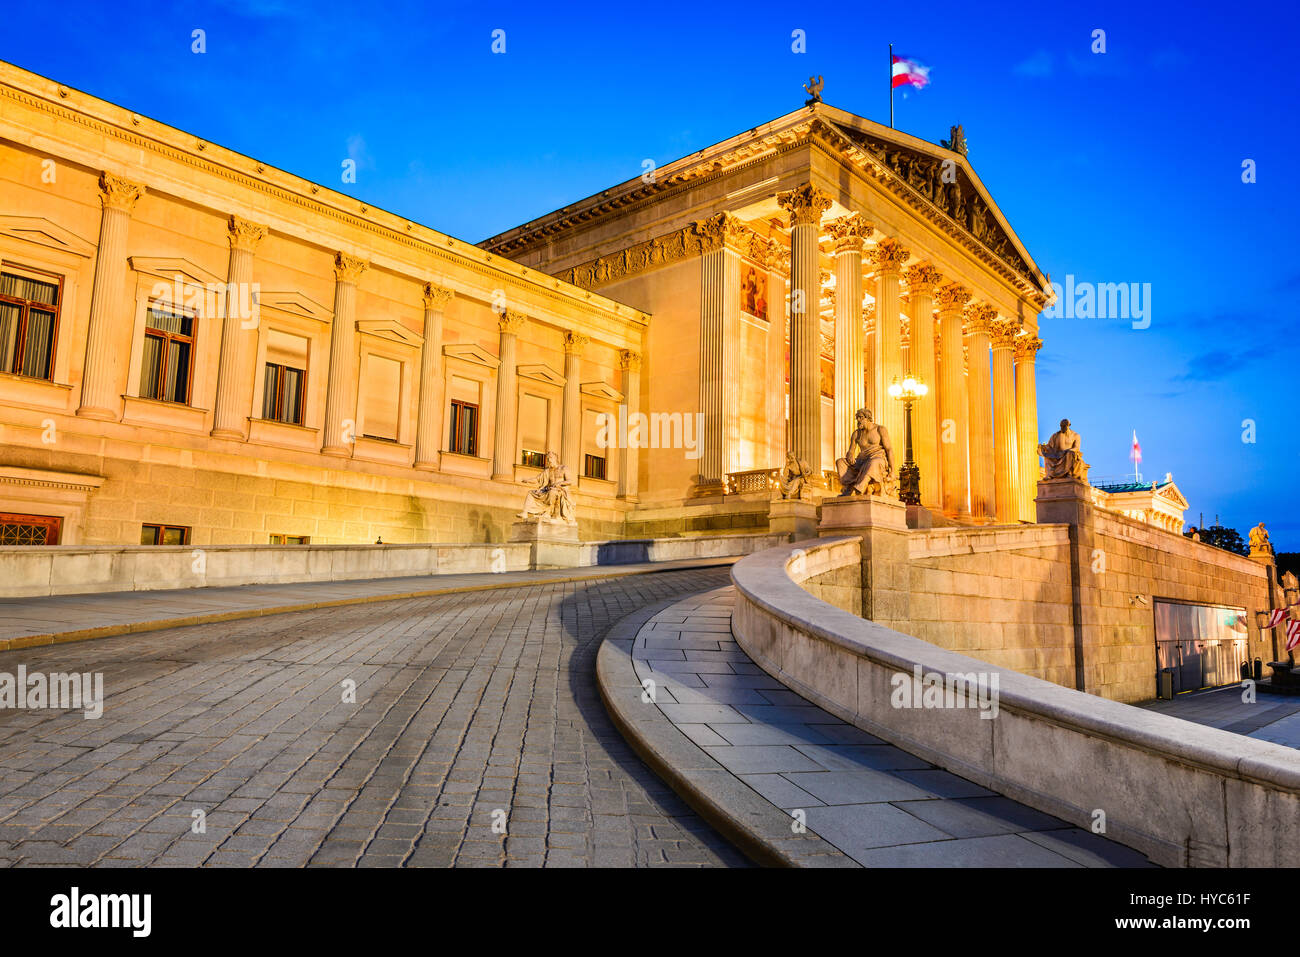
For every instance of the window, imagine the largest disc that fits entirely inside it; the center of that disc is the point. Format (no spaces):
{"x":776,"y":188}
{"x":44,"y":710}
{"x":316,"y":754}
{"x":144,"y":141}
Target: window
{"x":596,"y":442}
{"x":285,"y":377}
{"x":535,"y":459}
{"x":164,"y":534}
{"x":381,"y":390}
{"x":534,"y":420}
{"x":168,"y":354}
{"x":29,"y":529}
{"x":29,"y":322}
{"x":593,"y":466}
{"x":290,"y":539}
{"x":464,"y":428}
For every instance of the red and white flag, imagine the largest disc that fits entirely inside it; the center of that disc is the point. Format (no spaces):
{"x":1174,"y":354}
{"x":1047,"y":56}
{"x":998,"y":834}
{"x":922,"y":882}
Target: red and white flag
{"x":1136,"y":452}
{"x":1275,"y":618}
{"x":1292,"y":634}
{"x":906,"y":72}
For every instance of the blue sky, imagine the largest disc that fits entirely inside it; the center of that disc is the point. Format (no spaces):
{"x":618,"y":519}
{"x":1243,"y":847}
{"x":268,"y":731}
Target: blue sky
{"x":1117,"y":167}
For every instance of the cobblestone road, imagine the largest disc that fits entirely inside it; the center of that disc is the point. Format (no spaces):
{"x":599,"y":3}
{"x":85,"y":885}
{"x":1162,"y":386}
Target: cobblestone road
{"x":465,"y":705}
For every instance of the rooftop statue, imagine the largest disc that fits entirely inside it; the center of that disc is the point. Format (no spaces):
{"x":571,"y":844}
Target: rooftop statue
{"x":1061,"y":456}
{"x":550,"y":503}
{"x":956,"y":140}
{"x":868,"y":465}
{"x":814,"y":90}
{"x":1259,"y":543}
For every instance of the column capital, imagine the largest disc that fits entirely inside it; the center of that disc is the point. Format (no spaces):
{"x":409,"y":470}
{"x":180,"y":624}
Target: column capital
{"x":629,"y":360}
{"x":1026,"y":347}
{"x":848,"y":232}
{"x":922,"y":278}
{"x":243,"y":234}
{"x":348,"y":268}
{"x":1004,"y":333}
{"x":118,"y":193}
{"x":436,"y":297}
{"x":980,"y":317}
{"x":952,"y":296}
{"x":869,"y":318}
{"x":511,"y":322}
{"x":888,"y":256}
{"x":575,"y":343}
{"x":723,"y":229}
{"x":805,"y":204}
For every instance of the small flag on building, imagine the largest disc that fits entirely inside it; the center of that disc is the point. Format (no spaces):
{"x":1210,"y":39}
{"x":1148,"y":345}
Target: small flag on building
{"x":905,"y":72}
{"x":1135,"y":453}
{"x":1292,"y":634}
{"x":1275,"y":618}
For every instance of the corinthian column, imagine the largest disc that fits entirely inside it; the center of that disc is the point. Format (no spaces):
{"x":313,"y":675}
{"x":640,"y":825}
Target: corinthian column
{"x":571,"y":413}
{"x":888,"y":257}
{"x":341,"y":394}
{"x":848,"y":233}
{"x":983,"y":497}
{"x":101,"y":390}
{"x":1027,"y":347}
{"x":952,"y":400}
{"x":630,"y":363}
{"x":235,"y":371}
{"x":805,"y":205}
{"x":869,"y":357}
{"x":921,"y":280}
{"x":1006,"y":442}
{"x":428,"y":428}
{"x":503,"y":437}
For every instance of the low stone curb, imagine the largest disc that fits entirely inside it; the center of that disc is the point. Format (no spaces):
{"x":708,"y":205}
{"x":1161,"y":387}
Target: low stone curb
{"x":135,"y":627}
{"x":744,"y":817}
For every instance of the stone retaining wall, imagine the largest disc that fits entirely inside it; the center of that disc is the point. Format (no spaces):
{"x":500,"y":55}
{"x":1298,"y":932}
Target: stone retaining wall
{"x":1184,"y":794}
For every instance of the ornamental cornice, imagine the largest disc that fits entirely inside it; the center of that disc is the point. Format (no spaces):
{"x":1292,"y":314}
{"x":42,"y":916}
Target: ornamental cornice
{"x":244,"y":235}
{"x":441,"y":247}
{"x":118,"y":193}
{"x":436,"y":297}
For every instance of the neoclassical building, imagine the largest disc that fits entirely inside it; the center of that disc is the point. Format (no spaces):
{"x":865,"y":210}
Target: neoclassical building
{"x":794,"y":272}
{"x":197,"y":348}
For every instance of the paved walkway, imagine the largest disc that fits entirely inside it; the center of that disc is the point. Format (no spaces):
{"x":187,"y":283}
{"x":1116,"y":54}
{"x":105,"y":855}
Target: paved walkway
{"x":874,"y":802}
{"x":471,"y":709}
{"x":1269,"y":717}
{"x":25,"y":622}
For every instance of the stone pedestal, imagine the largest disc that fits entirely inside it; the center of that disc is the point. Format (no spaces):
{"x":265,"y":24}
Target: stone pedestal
{"x":918,"y":516}
{"x":1068,"y":502}
{"x":886,"y":574}
{"x":551,"y":545}
{"x":794,"y":518}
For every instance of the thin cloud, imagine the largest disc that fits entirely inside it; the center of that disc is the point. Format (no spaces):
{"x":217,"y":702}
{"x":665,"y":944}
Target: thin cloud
{"x":1038,"y":65}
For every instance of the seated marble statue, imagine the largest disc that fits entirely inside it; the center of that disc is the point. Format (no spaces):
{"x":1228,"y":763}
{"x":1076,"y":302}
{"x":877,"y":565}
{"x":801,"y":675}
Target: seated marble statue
{"x":550,"y":503}
{"x":1061,"y":455}
{"x":1259,"y":543}
{"x":868,"y":465}
{"x":794,"y":477}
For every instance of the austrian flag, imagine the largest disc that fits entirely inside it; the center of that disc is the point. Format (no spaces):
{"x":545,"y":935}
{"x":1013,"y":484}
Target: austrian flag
{"x":904,"y":72}
{"x":1275,"y":617}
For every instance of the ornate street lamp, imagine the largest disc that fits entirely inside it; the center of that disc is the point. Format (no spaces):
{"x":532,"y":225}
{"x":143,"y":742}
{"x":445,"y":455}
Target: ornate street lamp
{"x":909,"y":390}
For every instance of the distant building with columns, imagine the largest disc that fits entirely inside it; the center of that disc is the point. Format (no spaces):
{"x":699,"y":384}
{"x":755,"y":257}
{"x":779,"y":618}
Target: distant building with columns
{"x":198,"y":348}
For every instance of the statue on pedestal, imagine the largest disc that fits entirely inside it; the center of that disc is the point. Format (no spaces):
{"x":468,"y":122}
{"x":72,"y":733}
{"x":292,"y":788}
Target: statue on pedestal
{"x":549,"y":503}
{"x":795,"y":477}
{"x":1061,"y":456}
{"x":1259,"y":543}
{"x":868,"y":465}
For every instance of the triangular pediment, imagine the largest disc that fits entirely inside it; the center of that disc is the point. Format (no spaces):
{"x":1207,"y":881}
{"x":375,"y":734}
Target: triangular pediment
{"x":471,"y":352}
{"x":541,"y":372}
{"x":169,"y":268}
{"x":601,"y":390}
{"x":389,"y":329}
{"x":43,"y":232}
{"x":295,"y":304}
{"x":1172,"y":493}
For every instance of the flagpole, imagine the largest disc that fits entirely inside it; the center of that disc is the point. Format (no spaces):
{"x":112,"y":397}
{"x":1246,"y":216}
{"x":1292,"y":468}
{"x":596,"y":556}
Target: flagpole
{"x":891,"y":86}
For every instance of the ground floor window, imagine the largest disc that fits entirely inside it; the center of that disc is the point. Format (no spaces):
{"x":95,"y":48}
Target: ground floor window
{"x":593,"y":466}
{"x":151,"y":534}
{"x":533,"y":458}
{"x":290,"y":539}
{"x":29,"y":529}
{"x":1204,"y":645}
{"x":29,"y":322}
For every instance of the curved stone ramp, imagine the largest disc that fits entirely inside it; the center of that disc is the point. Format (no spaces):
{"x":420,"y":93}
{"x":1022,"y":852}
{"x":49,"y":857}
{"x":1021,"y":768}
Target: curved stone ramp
{"x":748,"y":754}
